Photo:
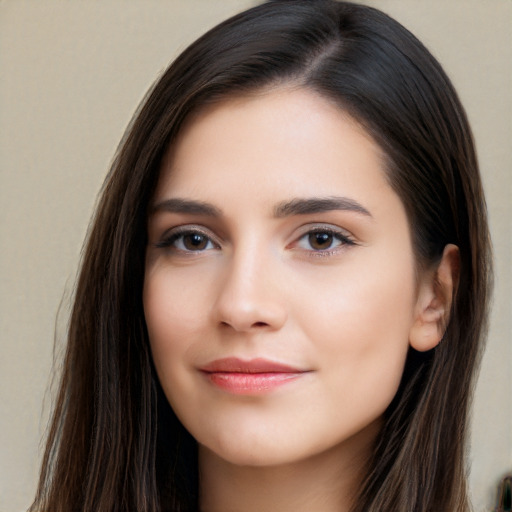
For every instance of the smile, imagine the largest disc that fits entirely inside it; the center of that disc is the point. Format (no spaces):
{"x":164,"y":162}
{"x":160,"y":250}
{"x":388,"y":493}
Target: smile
{"x":252,"y":377}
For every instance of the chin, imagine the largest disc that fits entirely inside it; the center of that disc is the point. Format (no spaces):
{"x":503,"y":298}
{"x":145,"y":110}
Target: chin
{"x":268,"y":449}
{"x":251,"y":455}
{"x":256,"y":448}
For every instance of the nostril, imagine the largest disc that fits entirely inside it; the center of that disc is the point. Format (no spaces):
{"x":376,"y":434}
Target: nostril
{"x":245,"y":314}
{"x":255,"y":325}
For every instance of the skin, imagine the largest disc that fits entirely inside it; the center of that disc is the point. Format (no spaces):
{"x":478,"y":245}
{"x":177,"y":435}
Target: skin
{"x":344,"y":312}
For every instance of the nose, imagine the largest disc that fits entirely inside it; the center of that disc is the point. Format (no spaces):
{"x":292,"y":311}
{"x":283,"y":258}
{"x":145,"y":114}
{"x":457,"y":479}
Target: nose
{"x":249,"y":298}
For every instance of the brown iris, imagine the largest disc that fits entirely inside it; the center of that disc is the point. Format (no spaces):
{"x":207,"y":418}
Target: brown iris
{"x":320,"y":240}
{"x":195,"y":242}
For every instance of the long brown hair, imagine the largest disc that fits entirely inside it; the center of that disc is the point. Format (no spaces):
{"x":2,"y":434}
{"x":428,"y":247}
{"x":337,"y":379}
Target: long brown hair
{"x":114,"y":442}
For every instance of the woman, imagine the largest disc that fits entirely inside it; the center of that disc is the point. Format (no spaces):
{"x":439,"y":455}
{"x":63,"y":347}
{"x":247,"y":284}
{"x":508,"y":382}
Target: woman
{"x":284,"y":291}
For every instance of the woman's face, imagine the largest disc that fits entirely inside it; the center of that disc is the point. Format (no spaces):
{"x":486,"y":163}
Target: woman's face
{"x":280,"y":280}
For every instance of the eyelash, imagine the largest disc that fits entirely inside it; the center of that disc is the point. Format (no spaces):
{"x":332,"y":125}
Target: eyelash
{"x":344,"y":240}
{"x":177,"y":234}
{"x":180,"y":233}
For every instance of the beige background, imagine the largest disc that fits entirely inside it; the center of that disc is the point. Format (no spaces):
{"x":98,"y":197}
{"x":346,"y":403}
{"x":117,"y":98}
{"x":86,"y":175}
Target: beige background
{"x":72,"y":73}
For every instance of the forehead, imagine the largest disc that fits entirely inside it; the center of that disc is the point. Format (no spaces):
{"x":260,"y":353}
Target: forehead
{"x":284,"y":142}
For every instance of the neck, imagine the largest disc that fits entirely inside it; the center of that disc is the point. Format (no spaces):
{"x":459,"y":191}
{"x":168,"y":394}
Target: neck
{"x":326,"y":481}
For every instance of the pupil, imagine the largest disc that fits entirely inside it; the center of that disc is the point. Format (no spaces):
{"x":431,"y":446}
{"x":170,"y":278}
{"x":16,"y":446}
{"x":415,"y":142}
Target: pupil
{"x":195,"y":241}
{"x":320,"y":240}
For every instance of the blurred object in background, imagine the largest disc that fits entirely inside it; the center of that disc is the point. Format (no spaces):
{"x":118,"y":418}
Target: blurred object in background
{"x":504,"y":501}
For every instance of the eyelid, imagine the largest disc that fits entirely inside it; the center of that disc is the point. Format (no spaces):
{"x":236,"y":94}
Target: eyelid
{"x":172,"y":234}
{"x":344,"y":236}
{"x":313,"y":227}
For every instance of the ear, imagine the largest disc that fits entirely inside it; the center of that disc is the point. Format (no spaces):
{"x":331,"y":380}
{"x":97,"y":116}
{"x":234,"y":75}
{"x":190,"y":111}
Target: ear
{"x":435,"y":294}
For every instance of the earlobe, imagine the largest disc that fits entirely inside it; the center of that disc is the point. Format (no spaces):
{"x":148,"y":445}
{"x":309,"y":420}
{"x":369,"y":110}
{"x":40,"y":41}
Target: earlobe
{"x":435,"y":295}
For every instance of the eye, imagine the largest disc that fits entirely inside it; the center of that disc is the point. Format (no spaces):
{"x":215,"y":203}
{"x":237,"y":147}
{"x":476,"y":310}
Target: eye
{"x":320,"y":241}
{"x":187,"y":240}
{"x":193,"y":242}
{"x":323,"y":240}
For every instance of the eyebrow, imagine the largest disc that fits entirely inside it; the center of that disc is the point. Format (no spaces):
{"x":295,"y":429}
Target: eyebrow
{"x":296,"y":206}
{"x":318,"y":205}
{"x":192,"y":207}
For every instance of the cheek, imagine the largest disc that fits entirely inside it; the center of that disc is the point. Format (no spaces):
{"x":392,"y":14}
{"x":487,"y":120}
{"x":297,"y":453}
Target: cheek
{"x":175,"y":304}
{"x":360,"y":325}
{"x":171,"y":319}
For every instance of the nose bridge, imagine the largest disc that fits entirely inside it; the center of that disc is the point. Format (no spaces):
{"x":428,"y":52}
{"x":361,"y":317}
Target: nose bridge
{"x":248,"y":296}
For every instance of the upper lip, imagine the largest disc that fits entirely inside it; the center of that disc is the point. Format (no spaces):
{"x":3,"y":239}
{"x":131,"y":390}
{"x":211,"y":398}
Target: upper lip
{"x":258,"y":365}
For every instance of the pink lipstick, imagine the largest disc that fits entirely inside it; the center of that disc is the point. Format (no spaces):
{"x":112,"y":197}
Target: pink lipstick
{"x":252,"y":377}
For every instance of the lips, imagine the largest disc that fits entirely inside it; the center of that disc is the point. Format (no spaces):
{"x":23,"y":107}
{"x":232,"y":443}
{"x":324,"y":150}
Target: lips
{"x":254,"y":376}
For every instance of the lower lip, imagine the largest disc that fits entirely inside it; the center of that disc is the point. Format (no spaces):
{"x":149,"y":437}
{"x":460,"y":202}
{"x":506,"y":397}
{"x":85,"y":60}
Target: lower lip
{"x":250,"y":383}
